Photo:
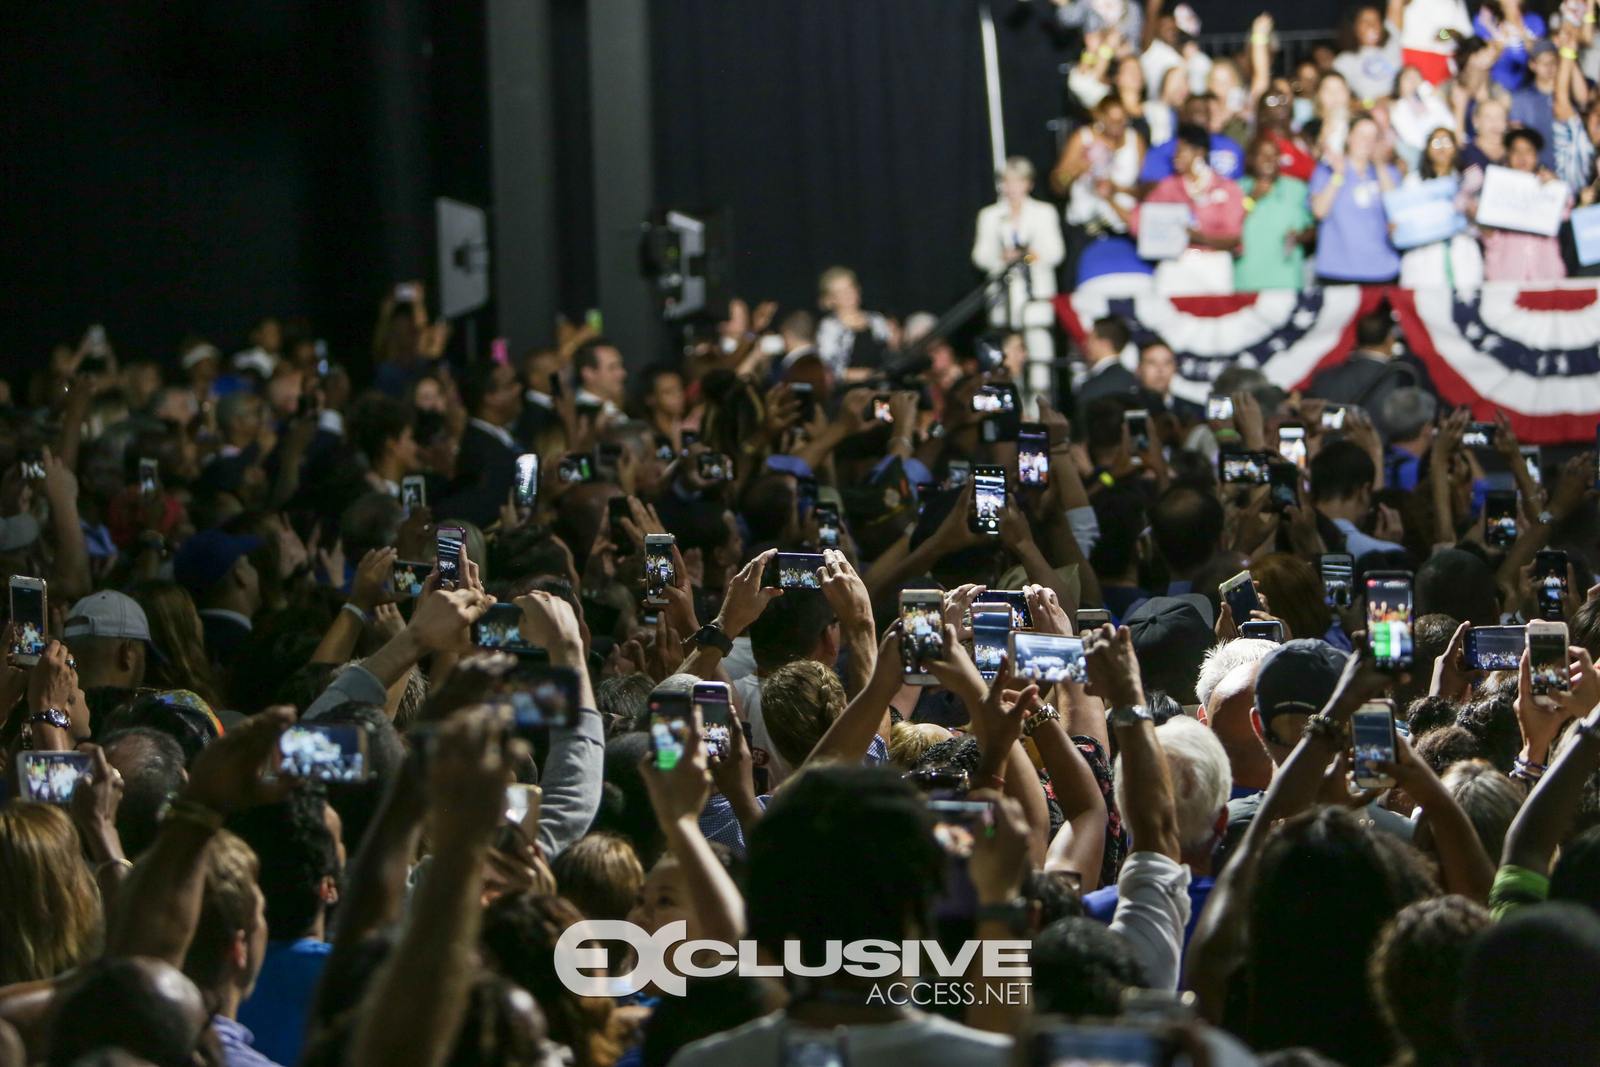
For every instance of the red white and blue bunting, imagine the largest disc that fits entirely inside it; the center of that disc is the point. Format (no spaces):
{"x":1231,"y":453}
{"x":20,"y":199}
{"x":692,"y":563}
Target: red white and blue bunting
{"x":1533,"y":352}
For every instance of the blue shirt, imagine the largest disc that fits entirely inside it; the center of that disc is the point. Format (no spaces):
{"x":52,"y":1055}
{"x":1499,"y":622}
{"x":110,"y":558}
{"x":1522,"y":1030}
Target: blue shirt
{"x":1227,"y":159}
{"x":1536,"y":111}
{"x":1511,"y":69}
{"x":280,"y":1005}
{"x":236,"y":1042}
{"x":1101,"y":905}
{"x":1353,"y":240}
{"x":1359,"y":544}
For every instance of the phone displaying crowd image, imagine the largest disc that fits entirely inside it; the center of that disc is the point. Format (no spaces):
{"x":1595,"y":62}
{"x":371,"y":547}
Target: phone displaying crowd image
{"x":1372,"y":741}
{"x":539,"y":695}
{"x":149,"y":476}
{"x":796,"y":570}
{"x":527,"y":490}
{"x":957,"y":826}
{"x":449,"y":561}
{"x":988,"y":498}
{"x":413,"y":493}
{"x":1333,"y":417}
{"x":1138,"y":423}
{"x":715,"y":467}
{"x":1047,"y":658}
{"x":406,"y":578}
{"x":1389,"y":607}
{"x":1239,"y":593}
{"x":1246,"y":468}
{"x":619,"y":509}
{"x":1478,"y":435}
{"x":669,"y":728}
{"x":1338,"y":571}
{"x":991,"y":628}
{"x":334,"y":753}
{"x":500,"y":628}
{"x":1021,"y":617}
{"x":32,"y":461}
{"x":1547,"y":659}
{"x":1534,"y":459}
{"x":1101,"y":1046}
{"x":1033,"y":454}
{"x":658,"y":569}
{"x":880,"y":408}
{"x":1292,"y":445}
{"x":1550,"y":582}
{"x":1494,"y":648}
{"x":994,"y":400}
{"x":716,"y":716}
{"x":1500,"y":517}
{"x":575,"y":469}
{"x":1219,"y":408}
{"x":921,"y":633}
{"x":28,"y":596}
{"x":1283,"y":483}
{"x":50,"y":777}
{"x":827,"y":526}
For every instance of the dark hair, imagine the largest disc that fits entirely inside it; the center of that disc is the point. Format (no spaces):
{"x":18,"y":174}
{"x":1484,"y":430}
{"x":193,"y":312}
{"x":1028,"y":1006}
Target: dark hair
{"x":831,"y":826}
{"x":1494,"y":723}
{"x":281,"y":643}
{"x":766,"y":505}
{"x":1460,"y":585}
{"x":1055,"y":893}
{"x":1194,"y":136}
{"x":1426,"y":165}
{"x":625,"y":808}
{"x":527,"y":551}
{"x":1113,"y":331}
{"x":124,"y":1002}
{"x":1325,"y":887}
{"x":475,"y":383}
{"x":1185,"y":525}
{"x":588,"y":356}
{"x":374,"y":420}
{"x":1415,"y":970}
{"x":1576,"y":876}
{"x":1447,"y":745}
{"x":1429,"y":713}
{"x":1339,"y":471}
{"x":1080,"y":967}
{"x":1120,"y":513}
{"x":357,"y":802}
{"x":788,"y":629}
{"x":1534,"y":138}
{"x":147,"y":783}
{"x":1584,"y":627}
{"x":708,"y":1006}
{"x":1529,"y":986}
{"x":1103,"y":419}
{"x":1347,"y":39}
{"x":297,"y":851}
{"x":1374,"y":329}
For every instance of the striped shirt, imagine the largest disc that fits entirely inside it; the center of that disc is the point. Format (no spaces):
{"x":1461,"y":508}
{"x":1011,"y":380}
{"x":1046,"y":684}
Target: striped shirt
{"x":1574,"y":153}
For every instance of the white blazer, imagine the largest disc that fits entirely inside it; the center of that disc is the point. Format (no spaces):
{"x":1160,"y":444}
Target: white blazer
{"x":1039,"y":229}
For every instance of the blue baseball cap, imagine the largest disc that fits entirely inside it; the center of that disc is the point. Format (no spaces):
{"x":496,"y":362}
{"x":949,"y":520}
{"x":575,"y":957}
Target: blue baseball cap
{"x":205,"y":558}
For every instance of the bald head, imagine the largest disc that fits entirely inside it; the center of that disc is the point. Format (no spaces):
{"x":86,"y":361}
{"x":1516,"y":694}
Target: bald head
{"x":144,"y":1006}
{"x":1229,"y":714}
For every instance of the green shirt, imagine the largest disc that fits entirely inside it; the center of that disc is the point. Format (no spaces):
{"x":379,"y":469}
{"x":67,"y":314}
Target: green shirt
{"x":1515,"y":887}
{"x":1261,"y":263}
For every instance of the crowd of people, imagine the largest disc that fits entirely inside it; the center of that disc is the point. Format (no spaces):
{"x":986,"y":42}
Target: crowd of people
{"x":1169,"y":831}
{"x":1362,"y":161}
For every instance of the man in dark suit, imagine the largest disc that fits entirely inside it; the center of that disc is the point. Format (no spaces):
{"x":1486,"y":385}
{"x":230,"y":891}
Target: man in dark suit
{"x":1373,"y":371}
{"x":486,"y":466}
{"x":215,"y":568}
{"x":1102,"y":351}
{"x":1157,"y":367}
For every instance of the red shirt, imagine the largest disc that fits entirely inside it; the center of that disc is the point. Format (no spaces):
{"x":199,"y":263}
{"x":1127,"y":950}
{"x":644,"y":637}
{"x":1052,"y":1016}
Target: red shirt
{"x":1293,"y":160}
{"x":1218,"y":208}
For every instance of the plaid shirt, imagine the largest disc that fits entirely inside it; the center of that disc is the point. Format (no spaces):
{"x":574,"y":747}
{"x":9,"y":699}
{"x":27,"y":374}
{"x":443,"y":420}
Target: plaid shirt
{"x":1574,"y":153}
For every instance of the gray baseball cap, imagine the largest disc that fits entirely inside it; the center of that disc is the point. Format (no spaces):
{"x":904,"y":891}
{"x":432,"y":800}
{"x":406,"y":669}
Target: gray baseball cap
{"x":107,"y":614}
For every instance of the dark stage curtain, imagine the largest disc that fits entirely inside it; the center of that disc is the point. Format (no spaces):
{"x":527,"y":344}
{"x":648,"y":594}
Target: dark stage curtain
{"x":847,"y":132}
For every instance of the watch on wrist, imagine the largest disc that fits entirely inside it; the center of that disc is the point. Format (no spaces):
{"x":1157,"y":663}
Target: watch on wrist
{"x":711,"y":634}
{"x":52,"y":717}
{"x":1130,"y":715}
{"x":1546,"y":517}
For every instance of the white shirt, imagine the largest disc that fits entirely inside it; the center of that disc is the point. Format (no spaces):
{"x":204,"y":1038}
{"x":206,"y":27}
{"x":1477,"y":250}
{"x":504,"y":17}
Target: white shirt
{"x":1426,"y":18}
{"x":1036,"y":227}
{"x":499,"y":433}
{"x":922,"y":1041}
{"x":1152,"y":911}
{"x":749,"y":690}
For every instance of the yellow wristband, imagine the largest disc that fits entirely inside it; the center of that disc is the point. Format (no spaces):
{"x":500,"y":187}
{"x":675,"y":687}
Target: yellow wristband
{"x":1588,"y":20}
{"x":1259,"y":38}
{"x":1106,"y":51}
{"x":1569,"y":53}
{"x":1087,"y":57}
{"x":1337,"y":179}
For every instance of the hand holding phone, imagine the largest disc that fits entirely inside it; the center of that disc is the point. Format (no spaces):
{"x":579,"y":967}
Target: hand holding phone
{"x":921,"y":633}
{"x":659,"y":571}
{"x":450,"y":553}
{"x":1389,"y":609}
{"x":1373,"y":742}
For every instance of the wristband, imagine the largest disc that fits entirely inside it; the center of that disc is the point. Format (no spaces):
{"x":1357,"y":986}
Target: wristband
{"x":1106,"y":51}
{"x":1259,"y":38}
{"x":1337,"y":179}
{"x":1569,"y":53}
{"x":347,"y":606}
{"x":1324,"y":727}
{"x":1087,"y":59}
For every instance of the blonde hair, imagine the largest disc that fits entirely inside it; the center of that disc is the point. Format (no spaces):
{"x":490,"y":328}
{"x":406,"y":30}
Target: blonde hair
{"x":50,"y":918}
{"x":834,"y":274}
{"x":799,"y":701}
{"x":601,"y":875}
{"x":227,"y":908}
{"x":909,"y":740}
{"x":1021,"y":166}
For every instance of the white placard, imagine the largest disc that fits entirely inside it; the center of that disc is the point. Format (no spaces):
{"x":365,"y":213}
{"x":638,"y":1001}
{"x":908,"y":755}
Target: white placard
{"x":1517,"y":200}
{"x":1164,"y":230}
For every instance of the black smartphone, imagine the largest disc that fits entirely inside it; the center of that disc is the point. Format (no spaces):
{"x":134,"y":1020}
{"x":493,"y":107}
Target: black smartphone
{"x":805,"y":495}
{"x":413,"y":493}
{"x":716,"y":716}
{"x":1550,"y":582}
{"x":715,"y":467}
{"x":827,"y":526}
{"x":806,"y":393}
{"x":406,"y":578}
{"x":1478,"y":435}
{"x":1389,"y":607}
{"x":1292,"y":444}
{"x":991,"y":627}
{"x":500,"y":628}
{"x":331,"y":753}
{"x":149,"y":476}
{"x":1047,"y":658}
{"x":669,"y":728}
{"x":1033,"y":454}
{"x":574,"y":469}
{"x":538,"y":694}
{"x":1494,"y":648}
{"x":921,"y":633}
{"x":1246,"y":468}
{"x":1021,"y":617}
{"x":1283,"y":481}
{"x":1091,"y":619}
{"x":1264,"y":630}
{"x":658,"y":569}
{"x":1239,"y":593}
{"x":50,"y":777}
{"x":988,"y":498}
{"x":1138,"y":423}
{"x":994,"y":400}
{"x":797,"y":570}
{"x":527,"y":479}
{"x":618,"y":509}
{"x":1114,"y":1046}
{"x":1500,"y":517}
{"x":449,"y":562}
{"x":1338,"y":572}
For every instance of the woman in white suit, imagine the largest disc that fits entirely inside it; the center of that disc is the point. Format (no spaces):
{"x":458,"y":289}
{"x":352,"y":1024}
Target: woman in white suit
{"x":1018,"y":226}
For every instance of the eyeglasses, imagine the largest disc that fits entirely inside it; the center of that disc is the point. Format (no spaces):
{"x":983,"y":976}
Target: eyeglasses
{"x":1441,"y":142}
{"x":1276,"y":100}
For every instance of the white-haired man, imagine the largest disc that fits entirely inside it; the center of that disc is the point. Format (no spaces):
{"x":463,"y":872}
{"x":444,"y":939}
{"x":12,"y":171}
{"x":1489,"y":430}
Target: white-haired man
{"x":1201,"y":780}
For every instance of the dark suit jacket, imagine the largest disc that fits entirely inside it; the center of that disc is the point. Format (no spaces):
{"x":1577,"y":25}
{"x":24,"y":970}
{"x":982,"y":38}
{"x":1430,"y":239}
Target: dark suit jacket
{"x":485,"y":472}
{"x":1368,"y":381}
{"x":1115,"y":380}
{"x":223,"y":636}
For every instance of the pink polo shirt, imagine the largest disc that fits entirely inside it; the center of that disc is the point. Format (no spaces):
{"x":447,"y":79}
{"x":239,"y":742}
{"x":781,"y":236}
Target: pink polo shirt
{"x":1218,"y":210}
